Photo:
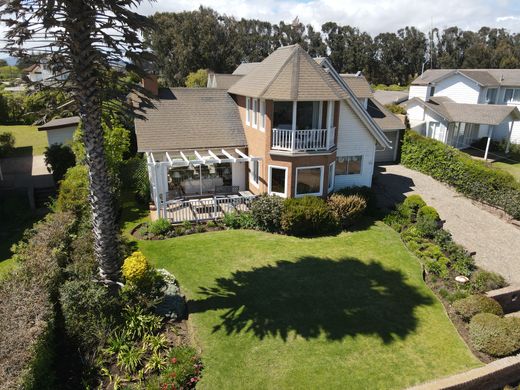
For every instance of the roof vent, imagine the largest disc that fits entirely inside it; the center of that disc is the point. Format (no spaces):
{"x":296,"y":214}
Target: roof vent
{"x":358,"y":73}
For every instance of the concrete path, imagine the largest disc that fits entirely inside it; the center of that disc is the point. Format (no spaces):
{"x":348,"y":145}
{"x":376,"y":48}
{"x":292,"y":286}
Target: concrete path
{"x":496,"y":242}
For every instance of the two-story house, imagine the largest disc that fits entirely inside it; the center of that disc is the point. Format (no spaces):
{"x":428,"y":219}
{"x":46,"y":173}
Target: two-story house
{"x":459,"y":107}
{"x":289,"y":125}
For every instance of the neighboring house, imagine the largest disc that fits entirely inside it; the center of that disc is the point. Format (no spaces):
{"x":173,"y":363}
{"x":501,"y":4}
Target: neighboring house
{"x":459,"y":107}
{"x":41,"y":72}
{"x":289,"y":126}
{"x":60,"y":131}
{"x":391,"y":97}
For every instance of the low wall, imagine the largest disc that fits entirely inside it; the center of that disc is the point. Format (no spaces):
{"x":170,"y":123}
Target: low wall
{"x":492,"y":376}
{"x":508,"y":297}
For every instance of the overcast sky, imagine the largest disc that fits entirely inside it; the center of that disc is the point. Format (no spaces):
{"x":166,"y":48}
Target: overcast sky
{"x":374,"y":16}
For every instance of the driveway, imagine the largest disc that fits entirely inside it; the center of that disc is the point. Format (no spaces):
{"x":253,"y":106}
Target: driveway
{"x":496,"y":242}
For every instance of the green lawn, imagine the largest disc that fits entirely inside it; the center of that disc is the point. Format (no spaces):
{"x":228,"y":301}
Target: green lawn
{"x":513,"y":169}
{"x":28,"y":139}
{"x":277,"y":312}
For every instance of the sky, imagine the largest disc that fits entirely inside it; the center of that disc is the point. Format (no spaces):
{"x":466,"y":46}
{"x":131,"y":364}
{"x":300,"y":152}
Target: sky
{"x":373,"y":16}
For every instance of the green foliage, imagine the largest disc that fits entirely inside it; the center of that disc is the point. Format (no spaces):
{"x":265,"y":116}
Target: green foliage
{"x":393,"y":87}
{"x":364,"y":192}
{"x":59,"y":158}
{"x":347,"y":209}
{"x":267,"y":212}
{"x":308,"y":216}
{"x":471,"y":178}
{"x":236,"y":220}
{"x":198,"y":79}
{"x":397,"y":221}
{"x":428,"y":220}
{"x":7,"y":143}
{"x":130,"y":358}
{"x":474,"y":304}
{"x":134,"y":177}
{"x":411,"y":206}
{"x":495,"y":335}
{"x":396,"y":109}
{"x":74,"y":191}
{"x":483,"y":281}
{"x":28,"y":108}
{"x":159,"y":227}
{"x":9,"y":72}
{"x":138,"y":324}
{"x":182,"y":371}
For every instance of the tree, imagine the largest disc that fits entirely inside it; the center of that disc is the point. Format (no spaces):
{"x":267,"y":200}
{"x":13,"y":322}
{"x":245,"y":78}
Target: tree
{"x":58,"y":159}
{"x":85,"y":39}
{"x":197,"y":79}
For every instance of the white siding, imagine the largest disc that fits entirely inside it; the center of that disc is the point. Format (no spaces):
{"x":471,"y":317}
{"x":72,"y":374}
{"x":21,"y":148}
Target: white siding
{"x":60,"y":136}
{"x":415,"y":114}
{"x":354,"y":139}
{"x":419,"y":91}
{"x":238,"y":175}
{"x":388,"y":154}
{"x":458,"y":88}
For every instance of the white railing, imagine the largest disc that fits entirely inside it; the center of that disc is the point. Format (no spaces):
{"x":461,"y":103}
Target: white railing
{"x":205,"y":209}
{"x":302,"y":140}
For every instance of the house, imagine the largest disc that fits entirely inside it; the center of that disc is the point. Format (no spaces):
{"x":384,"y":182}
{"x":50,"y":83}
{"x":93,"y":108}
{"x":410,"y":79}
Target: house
{"x":289,"y":125}
{"x":391,"y":97}
{"x":42,"y":72}
{"x":60,"y":131}
{"x":459,"y":107}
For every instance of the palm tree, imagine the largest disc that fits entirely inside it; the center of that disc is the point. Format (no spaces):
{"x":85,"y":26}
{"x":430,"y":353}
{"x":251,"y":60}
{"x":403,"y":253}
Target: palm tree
{"x":84,"y":40}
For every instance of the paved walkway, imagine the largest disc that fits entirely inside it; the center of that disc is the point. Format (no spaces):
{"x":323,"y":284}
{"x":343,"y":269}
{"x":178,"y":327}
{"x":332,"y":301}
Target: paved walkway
{"x":496,"y":242}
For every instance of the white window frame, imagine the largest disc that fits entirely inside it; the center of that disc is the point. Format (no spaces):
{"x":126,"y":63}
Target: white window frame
{"x":269,"y":191}
{"x":347,"y":157}
{"x":322,"y":169}
{"x":262,"y":114}
{"x":248,"y":111}
{"x":255,"y":113}
{"x":332,"y":175}
{"x":252,"y":180}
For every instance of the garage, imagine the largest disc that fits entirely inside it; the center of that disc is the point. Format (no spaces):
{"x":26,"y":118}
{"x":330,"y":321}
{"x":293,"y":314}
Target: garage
{"x":389,"y":155}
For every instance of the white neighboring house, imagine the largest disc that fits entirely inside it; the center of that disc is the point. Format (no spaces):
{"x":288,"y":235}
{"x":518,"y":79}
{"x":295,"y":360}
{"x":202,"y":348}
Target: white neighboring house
{"x":461,"y":106}
{"x":60,"y":131}
{"x":41,"y":72}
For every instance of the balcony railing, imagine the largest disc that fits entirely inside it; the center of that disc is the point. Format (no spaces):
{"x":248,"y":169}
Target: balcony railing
{"x":302,"y":140}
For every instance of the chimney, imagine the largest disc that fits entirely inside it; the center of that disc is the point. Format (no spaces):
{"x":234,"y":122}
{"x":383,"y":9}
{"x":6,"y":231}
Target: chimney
{"x":149,"y":82}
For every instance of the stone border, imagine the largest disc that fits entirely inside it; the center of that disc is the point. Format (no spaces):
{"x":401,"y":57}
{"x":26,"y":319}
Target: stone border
{"x":494,"y":375}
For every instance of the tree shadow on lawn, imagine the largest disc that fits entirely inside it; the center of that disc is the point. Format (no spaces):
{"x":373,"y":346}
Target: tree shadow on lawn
{"x":315,"y":296}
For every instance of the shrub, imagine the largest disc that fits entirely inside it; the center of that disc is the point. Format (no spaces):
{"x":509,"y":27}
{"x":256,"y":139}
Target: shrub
{"x":365,"y":192}
{"x":58,"y":159}
{"x":396,"y":109}
{"x":495,"y":335}
{"x":411,"y":206}
{"x":183,"y":370}
{"x":7,"y":142}
{"x":347,"y":209}
{"x":471,"y":178}
{"x":73,"y":193}
{"x":483,"y":281}
{"x":474,"y":304}
{"x":134,"y":177}
{"x":307,"y":216}
{"x":135,"y":267}
{"x":267,"y":212}
{"x":396,"y":221}
{"x":235,"y":220}
{"x":438,"y":267}
{"x":159,"y":227}
{"x":427,"y":220}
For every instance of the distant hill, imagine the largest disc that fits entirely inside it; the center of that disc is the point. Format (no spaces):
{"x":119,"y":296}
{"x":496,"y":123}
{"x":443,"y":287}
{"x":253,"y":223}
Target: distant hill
{"x":10,"y":60}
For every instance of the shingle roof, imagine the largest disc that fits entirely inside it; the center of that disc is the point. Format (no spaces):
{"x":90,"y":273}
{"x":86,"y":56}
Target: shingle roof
{"x":358,"y":84}
{"x":289,"y":73}
{"x":485,"y":77}
{"x":222,"y":81}
{"x":245,"y":68}
{"x":390,"y":97}
{"x":385,"y":119}
{"x":190,"y":118}
{"x":59,"y":123}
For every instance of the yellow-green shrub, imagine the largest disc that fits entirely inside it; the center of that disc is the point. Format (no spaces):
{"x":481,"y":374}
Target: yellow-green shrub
{"x":135,"y":267}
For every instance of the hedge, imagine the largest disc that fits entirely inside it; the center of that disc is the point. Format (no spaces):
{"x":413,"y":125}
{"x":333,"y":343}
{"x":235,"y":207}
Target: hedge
{"x":468,"y":307}
{"x":471,"y":178}
{"x":494,"y":335}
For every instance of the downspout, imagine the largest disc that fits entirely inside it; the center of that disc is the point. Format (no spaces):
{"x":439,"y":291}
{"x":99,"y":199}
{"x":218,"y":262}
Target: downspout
{"x":490,"y":133}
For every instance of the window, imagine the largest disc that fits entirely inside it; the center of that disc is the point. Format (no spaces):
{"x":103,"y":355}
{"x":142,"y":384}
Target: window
{"x":331,"y":176}
{"x":432,"y":90}
{"x":262,"y":114}
{"x":512,"y":95}
{"x":248,"y":111}
{"x":350,"y":165}
{"x":255,"y":113}
{"x":309,"y":181}
{"x":278,"y":180}
{"x":491,"y":95}
{"x":282,"y":115}
{"x":308,"y":115}
{"x":254,"y":172}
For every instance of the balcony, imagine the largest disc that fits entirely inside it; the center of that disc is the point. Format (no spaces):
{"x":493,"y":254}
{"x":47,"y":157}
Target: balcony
{"x":294,"y":141}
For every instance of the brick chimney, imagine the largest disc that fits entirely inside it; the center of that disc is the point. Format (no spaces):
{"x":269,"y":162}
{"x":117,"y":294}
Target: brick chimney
{"x":149,"y":82}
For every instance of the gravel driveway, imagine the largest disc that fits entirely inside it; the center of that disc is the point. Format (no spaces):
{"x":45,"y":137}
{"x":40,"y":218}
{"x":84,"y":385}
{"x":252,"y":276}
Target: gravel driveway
{"x":496,"y":242}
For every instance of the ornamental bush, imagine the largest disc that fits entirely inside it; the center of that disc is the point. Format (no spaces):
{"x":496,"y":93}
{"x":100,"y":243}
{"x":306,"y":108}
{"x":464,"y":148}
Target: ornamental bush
{"x":411,"y":206}
{"x":308,"y":216}
{"x":267,"y":212}
{"x":494,"y":335}
{"x":427,"y":220}
{"x":135,"y":267}
{"x":347,"y":209}
{"x":235,"y":220}
{"x":7,"y":142}
{"x":475,"y":304}
{"x":364,"y":192}
{"x":159,"y":227}
{"x":73,"y":192}
{"x":59,"y":158}
{"x":483,"y":281}
{"x":471,"y":178}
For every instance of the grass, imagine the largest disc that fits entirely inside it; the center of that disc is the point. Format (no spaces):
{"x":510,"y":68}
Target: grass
{"x":350,"y":311}
{"x":28,"y":140}
{"x":512,"y":168}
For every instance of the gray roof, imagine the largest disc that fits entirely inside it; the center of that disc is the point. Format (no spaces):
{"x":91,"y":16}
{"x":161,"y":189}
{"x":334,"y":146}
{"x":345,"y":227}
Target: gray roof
{"x":484,"y":77}
{"x":486,"y":114}
{"x":385,"y":119}
{"x":358,"y":84}
{"x":190,"y":118}
{"x":289,"y":73}
{"x":245,"y":68}
{"x":222,"y":81}
{"x":59,"y":123}
{"x":390,"y":97}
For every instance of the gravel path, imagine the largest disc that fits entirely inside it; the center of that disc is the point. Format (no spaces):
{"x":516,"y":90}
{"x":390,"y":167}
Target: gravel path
{"x":496,"y":242}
